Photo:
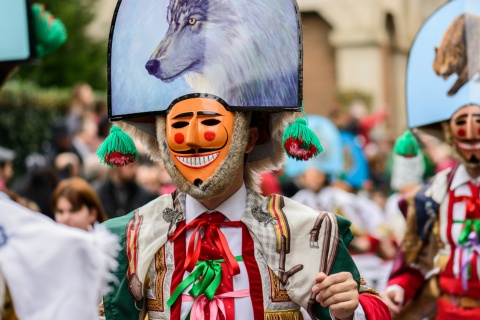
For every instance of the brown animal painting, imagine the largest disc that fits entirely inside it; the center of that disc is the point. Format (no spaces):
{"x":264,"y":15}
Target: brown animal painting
{"x":459,"y":51}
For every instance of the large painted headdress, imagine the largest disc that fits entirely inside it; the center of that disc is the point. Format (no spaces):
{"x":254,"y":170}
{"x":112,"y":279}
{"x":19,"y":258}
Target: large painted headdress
{"x":245,"y":55}
{"x":444,"y":65}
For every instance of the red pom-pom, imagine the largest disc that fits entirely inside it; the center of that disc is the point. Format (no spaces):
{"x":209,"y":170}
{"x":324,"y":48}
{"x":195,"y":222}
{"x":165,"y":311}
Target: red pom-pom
{"x":117,"y":159}
{"x":297,"y":149}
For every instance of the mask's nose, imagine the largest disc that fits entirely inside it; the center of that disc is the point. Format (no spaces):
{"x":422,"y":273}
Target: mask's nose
{"x":192,"y":135}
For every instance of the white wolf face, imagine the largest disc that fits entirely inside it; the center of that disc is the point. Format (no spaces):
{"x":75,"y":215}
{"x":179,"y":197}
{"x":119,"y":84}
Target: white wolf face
{"x":182,"y":49}
{"x":246,"y":52}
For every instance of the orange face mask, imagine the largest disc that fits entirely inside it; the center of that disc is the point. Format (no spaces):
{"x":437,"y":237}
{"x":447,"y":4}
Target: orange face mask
{"x":465,"y":129}
{"x":199,"y":133}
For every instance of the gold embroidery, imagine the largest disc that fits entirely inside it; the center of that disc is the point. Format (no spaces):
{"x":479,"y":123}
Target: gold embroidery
{"x":161,"y":269}
{"x":277,"y":293}
{"x":283,"y":315}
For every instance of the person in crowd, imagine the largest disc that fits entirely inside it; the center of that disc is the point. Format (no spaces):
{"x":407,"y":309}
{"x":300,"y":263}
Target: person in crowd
{"x":120,"y":193}
{"x":437,"y":274}
{"x":75,"y":204}
{"x":6,"y":173}
{"x":80,"y":106}
{"x":93,"y":171}
{"x":68,"y":165}
{"x":6,"y":167}
{"x":85,"y":141}
{"x":148,"y":176}
{"x":38,"y":185}
{"x":407,"y":174}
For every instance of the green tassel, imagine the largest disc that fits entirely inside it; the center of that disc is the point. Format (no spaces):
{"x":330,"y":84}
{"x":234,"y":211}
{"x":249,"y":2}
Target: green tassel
{"x":118,"y":149}
{"x":50,"y":32}
{"x":406,"y":145}
{"x":300,"y":142}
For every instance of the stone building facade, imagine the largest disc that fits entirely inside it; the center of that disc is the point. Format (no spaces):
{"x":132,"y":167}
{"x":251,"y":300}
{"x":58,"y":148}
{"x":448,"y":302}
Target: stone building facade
{"x":360,"y":46}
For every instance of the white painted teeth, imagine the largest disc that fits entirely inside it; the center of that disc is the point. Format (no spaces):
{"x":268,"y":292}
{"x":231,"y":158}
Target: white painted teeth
{"x":197,"y":161}
{"x":469,"y":146}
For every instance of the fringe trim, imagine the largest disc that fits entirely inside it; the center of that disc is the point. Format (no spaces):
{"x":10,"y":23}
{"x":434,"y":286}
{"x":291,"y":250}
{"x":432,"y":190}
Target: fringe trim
{"x":283,"y":315}
{"x":412,"y":244}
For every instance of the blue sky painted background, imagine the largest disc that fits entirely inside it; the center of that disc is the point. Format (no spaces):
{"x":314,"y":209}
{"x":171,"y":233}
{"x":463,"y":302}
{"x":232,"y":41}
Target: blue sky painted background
{"x":133,"y":89}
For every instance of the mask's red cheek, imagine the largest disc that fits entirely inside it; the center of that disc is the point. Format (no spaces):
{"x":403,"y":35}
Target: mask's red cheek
{"x":462,"y":133}
{"x":478,"y":131}
{"x":179,"y":138}
{"x":209,"y":135}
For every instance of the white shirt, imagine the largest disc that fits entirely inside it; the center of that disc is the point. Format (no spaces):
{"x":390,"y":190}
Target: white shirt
{"x":233,"y":209}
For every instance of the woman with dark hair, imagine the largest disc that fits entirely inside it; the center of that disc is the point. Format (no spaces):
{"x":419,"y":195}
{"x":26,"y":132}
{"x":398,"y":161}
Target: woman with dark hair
{"x":75,"y":203}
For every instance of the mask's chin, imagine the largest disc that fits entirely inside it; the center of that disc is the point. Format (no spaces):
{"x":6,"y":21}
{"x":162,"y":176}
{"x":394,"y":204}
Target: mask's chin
{"x":471,"y":161}
{"x":217,"y":184}
{"x":198,"y":182}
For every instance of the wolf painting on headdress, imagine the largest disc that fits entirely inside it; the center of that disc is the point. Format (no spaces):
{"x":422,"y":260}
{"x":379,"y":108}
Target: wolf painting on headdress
{"x":209,"y":43}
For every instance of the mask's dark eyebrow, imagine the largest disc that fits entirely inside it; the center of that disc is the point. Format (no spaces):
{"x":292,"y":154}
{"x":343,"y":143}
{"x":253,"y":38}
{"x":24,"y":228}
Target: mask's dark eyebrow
{"x":184,"y":114}
{"x":208,"y":113}
{"x":460,"y":117}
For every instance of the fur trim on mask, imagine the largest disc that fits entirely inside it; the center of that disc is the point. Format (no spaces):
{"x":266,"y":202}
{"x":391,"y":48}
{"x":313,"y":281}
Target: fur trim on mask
{"x":218,"y":183}
{"x":457,"y":156}
{"x":149,"y":142}
{"x":254,"y":169}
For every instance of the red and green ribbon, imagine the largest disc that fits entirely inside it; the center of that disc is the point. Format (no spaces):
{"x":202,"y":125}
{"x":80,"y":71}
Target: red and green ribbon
{"x":205,"y":279}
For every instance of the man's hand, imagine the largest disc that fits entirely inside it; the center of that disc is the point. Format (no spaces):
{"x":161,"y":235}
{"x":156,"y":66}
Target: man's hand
{"x":338,"y":292}
{"x":394,"y":298}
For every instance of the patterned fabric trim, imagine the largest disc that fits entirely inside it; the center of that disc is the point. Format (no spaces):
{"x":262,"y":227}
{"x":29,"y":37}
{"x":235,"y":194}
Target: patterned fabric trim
{"x":157,"y":304}
{"x":284,"y":315}
{"x":132,"y":233}
{"x":282,"y":230}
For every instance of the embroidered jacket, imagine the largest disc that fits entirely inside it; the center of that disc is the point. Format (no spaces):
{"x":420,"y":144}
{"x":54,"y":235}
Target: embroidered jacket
{"x":291,"y":243}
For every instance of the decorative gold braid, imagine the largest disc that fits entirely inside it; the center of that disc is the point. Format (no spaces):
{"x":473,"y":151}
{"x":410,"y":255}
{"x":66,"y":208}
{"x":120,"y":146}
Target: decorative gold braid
{"x":277,"y":293}
{"x":442,"y":259}
{"x":283,"y":315}
{"x":411,"y":244}
{"x":157,"y":304}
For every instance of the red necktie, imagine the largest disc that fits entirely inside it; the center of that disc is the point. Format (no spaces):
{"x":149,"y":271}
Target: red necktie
{"x":212,"y":246}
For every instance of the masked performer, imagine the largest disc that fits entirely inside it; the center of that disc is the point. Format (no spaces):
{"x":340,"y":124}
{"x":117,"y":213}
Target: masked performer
{"x":212,"y":106}
{"x":440,"y":249}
